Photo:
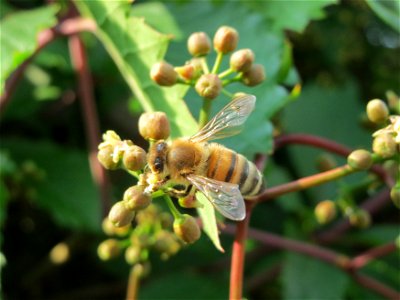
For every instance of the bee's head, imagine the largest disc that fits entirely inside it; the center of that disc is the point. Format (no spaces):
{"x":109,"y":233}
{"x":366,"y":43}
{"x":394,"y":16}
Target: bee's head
{"x":157,"y":157}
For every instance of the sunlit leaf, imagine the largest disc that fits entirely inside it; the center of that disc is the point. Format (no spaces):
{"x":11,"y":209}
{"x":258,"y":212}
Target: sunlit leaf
{"x":207,"y":215}
{"x":135,"y":47}
{"x":18,"y":37}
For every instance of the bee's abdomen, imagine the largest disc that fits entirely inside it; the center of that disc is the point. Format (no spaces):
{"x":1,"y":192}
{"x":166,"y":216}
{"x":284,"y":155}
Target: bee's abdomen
{"x":229,"y":166}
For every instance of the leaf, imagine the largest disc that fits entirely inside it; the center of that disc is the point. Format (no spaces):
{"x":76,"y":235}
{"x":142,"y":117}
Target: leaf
{"x":291,"y":15}
{"x":207,"y":215}
{"x":67,"y":193}
{"x":388,"y":11}
{"x":308,"y":278}
{"x":135,"y":47}
{"x":18,"y":37}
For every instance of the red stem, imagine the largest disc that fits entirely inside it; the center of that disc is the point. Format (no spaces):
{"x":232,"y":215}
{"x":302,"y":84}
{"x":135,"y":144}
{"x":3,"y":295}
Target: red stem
{"x":238,"y":255}
{"x":361,"y":260}
{"x":376,"y":286}
{"x":79,"y":61}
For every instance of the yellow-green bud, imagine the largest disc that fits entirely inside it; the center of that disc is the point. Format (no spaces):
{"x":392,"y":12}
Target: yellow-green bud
{"x":209,"y":86}
{"x":254,"y":76}
{"x":136,"y":199}
{"x":105,"y":157}
{"x":225,"y":39}
{"x":395,"y":195}
{"x":132,"y":254}
{"x":384,"y":145}
{"x":120,"y":215}
{"x":166,"y":243}
{"x":108,"y":249}
{"x":134,"y":158}
{"x":360,"y":159}
{"x":325,"y":211}
{"x":377,"y":111}
{"x":110,"y":229}
{"x":242,"y":60}
{"x":60,"y":253}
{"x":186,"y":72}
{"x":199,"y":44}
{"x":164,"y":74}
{"x":360,"y":218}
{"x":187,"y":229}
{"x":154,"y":126}
{"x":189,"y":202}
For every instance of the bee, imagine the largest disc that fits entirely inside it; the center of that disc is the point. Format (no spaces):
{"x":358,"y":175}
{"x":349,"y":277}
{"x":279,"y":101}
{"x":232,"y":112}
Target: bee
{"x":221,"y":174}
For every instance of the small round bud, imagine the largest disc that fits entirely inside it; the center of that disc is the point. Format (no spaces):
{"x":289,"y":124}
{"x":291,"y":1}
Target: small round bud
{"x":225,"y":39}
{"x":108,"y":249}
{"x":134,"y":158}
{"x":120,"y":215}
{"x":395,"y":195}
{"x":254,"y":76}
{"x":360,"y":159}
{"x":360,"y":218}
{"x":188,"y":202}
{"x":154,"y":126}
{"x":208,"y":86}
{"x":242,"y":60}
{"x":136,"y":199}
{"x":187,"y":229}
{"x":384,"y":145}
{"x":105,"y":157}
{"x":377,"y":111}
{"x":199,"y":44}
{"x":186,"y":72}
{"x":166,"y":243}
{"x":132,"y":254}
{"x":325,"y":211}
{"x":166,"y":220}
{"x":60,"y":253}
{"x":163,"y":74}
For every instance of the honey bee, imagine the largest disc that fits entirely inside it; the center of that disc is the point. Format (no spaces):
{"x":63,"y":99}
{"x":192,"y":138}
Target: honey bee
{"x":221,"y":174}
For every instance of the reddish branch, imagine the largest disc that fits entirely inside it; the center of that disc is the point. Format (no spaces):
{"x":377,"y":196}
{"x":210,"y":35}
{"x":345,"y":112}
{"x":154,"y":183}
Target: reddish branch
{"x":67,"y":27}
{"x":361,"y":260}
{"x":89,"y":115}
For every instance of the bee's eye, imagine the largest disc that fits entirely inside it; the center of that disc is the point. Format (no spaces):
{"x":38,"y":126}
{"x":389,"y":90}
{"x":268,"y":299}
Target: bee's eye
{"x":158,"y":164}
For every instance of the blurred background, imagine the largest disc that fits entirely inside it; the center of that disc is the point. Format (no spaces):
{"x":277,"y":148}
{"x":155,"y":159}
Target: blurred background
{"x":343,"y":53}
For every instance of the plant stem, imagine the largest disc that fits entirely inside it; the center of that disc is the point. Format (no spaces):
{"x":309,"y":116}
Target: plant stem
{"x":225,"y":92}
{"x":226,"y":73}
{"x":204,"y":65}
{"x":238,"y":255}
{"x":217,"y":63}
{"x":133,"y":283}
{"x":171,"y":206}
{"x":204,"y":112}
{"x":361,"y":260}
{"x":234,"y":79}
{"x":304,"y":183}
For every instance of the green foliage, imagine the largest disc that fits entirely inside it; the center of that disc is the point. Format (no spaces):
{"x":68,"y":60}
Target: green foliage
{"x":388,"y":11}
{"x":18,"y":38}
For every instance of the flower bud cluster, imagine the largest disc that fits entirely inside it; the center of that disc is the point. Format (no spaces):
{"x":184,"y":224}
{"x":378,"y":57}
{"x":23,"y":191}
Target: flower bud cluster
{"x":196,"y":71}
{"x":152,"y":232}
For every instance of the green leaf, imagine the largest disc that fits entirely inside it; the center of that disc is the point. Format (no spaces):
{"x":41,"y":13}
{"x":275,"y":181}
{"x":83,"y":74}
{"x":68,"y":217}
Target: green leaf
{"x":157,"y":16}
{"x":67,"y":193}
{"x":307,"y":278}
{"x":388,"y":11}
{"x":376,"y":235}
{"x":18,"y":37}
{"x":207,"y":215}
{"x":292,"y":15}
{"x":135,"y":47}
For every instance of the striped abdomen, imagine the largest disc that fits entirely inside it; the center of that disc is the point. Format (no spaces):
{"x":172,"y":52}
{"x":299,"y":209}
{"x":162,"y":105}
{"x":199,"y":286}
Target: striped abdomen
{"x":228,"y":166}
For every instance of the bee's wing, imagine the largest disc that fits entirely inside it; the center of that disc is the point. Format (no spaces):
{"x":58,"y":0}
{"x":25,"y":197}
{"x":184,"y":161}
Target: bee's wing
{"x":228,"y":121}
{"x":225,"y":196}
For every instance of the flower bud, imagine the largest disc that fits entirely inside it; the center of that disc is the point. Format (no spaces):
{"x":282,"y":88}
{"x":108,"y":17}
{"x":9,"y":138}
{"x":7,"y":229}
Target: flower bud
{"x":255,"y":75}
{"x":60,"y":253}
{"x":360,"y":218}
{"x":105,"y":157}
{"x":325,"y":211}
{"x":132,"y":254}
{"x":384,"y":145}
{"x":377,"y":111}
{"x":166,"y":243}
{"x":189,"y":202}
{"x":163,"y":74}
{"x":225,"y":39}
{"x":136,"y":199}
{"x":120,"y":215}
{"x":134,"y":158}
{"x":154,"y":126}
{"x":186,"y":72}
{"x":242,"y":60}
{"x":360,"y":159}
{"x":199,"y":44}
{"x":187,"y":228}
{"x":395,"y":195}
{"x":208,"y":86}
{"x":108,"y":249}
